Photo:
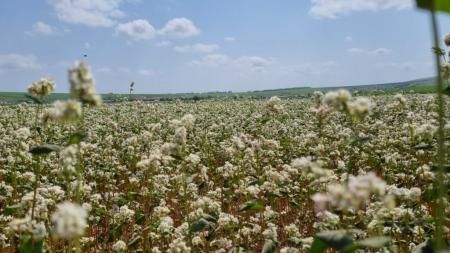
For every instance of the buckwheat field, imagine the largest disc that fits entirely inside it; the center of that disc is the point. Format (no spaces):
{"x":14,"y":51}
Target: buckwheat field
{"x":336,"y":170}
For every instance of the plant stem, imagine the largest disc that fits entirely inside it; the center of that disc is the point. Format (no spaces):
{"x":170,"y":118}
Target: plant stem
{"x":37,"y":172}
{"x":440,"y":186}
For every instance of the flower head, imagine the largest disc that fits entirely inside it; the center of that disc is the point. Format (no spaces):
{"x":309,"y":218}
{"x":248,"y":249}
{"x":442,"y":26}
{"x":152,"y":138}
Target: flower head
{"x":69,"y":220}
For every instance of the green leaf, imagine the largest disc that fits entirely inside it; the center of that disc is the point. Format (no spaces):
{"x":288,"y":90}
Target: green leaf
{"x":210,"y":218}
{"x":251,"y":205}
{"x":9,"y":210}
{"x":44,"y":149}
{"x":35,"y":99}
{"x":318,"y":246}
{"x":198,"y":225}
{"x":374,"y":242}
{"x":269,"y":246}
{"x":134,"y":242}
{"x":77,"y":137}
{"x":446,"y":167}
{"x":30,"y":246}
{"x":423,"y":146}
{"x":436,"y":5}
{"x":425,"y":247}
{"x":337,"y":240}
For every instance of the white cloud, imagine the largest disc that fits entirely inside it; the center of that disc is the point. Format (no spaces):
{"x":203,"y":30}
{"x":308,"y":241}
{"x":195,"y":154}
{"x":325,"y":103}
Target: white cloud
{"x":18,"y":61}
{"x":229,"y":39}
{"x":139,"y":29}
{"x":180,"y":28}
{"x":42,"y":28}
{"x":336,"y":8}
{"x":87,"y":45}
{"x":253,"y":63}
{"x":375,"y":52}
{"x":94,"y":13}
{"x":197,"y":48}
{"x":145,"y":72}
{"x":348,"y":38}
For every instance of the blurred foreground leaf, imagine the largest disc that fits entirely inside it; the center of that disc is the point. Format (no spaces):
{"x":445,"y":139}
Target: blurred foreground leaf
{"x":436,"y":5}
{"x":44,"y":149}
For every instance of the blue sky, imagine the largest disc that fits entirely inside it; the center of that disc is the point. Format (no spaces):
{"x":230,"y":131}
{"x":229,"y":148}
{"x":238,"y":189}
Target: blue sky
{"x":212,"y":45}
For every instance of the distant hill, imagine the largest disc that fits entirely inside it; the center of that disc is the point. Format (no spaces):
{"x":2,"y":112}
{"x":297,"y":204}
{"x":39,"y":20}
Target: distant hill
{"x":424,"y":85}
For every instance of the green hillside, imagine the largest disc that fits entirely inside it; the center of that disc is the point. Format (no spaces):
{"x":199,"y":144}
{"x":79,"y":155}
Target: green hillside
{"x":415,"y":86}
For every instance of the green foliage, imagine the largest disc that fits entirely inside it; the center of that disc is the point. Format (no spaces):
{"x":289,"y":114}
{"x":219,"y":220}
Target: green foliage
{"x":342,"y":242}
{"x":425,"y":247}
{"x":435,"y":5}
{"x":77,"y":137}
{"x":251,"y":205}
{"x":29,"y":245}
{"x":337,"y":240}
{"x":34,"y":99}
{"x":373,"y":243}
{"x":134,"y":242}
{"x":44,"y":149}
{"x":198,"y":225}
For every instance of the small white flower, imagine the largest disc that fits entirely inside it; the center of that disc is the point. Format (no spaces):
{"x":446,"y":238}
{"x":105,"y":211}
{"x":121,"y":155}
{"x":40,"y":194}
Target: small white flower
{"x":69,"y":220}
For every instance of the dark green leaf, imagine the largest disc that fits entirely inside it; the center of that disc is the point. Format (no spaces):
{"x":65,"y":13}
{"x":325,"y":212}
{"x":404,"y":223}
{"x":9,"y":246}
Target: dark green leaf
{"x":44,"y":149}
{"x":425,"y":247}
{"x":318,"y":246}
{"x":446,"y":168}
{"x":250,"y":205}
{"x":9,"y":210}
{"x":337,"y":240}
{"x":134,"y":242}
{"x":30,"y":246}
{"x":269,"y":246}
{"x":374,"y":242}
{"x":423,"y":146}
{"x":198,"y":225}
{"x":436,"y":5}
{"x":25,"y":187}
{"x":35,"y":99}
{"x":210,"y":218}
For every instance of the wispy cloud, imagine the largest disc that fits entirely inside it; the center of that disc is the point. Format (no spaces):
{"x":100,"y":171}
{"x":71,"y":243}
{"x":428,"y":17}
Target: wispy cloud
{"x":42,"y":28}
{"x":337,"y":8}
{"x":254,"y":63}
{"x":229,"y":39}
{"x":94,"y":13}
{"x":145,"y":72}
{"x":180,"y":28}
{"x":375,"y":52}
{"x":197,"y":48}
{"x":18,"y":61}
{"x":139,"y":29}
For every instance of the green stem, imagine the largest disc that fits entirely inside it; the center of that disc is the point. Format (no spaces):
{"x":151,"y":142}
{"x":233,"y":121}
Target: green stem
{"x":37,"y":172}
{"x":439,"y":204}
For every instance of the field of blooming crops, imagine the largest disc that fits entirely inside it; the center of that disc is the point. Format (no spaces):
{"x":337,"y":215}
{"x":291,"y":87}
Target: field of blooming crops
{"x":332,"y":171}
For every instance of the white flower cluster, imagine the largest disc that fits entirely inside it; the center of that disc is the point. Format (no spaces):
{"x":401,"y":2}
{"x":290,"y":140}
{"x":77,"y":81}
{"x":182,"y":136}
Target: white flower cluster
{"x":41,"y":88}
{"x":352,"y":196}
{"x":62,"y":111}
{"x":274,"y":105}
{"x":70,"y":220}
{"x":82,"y":85}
